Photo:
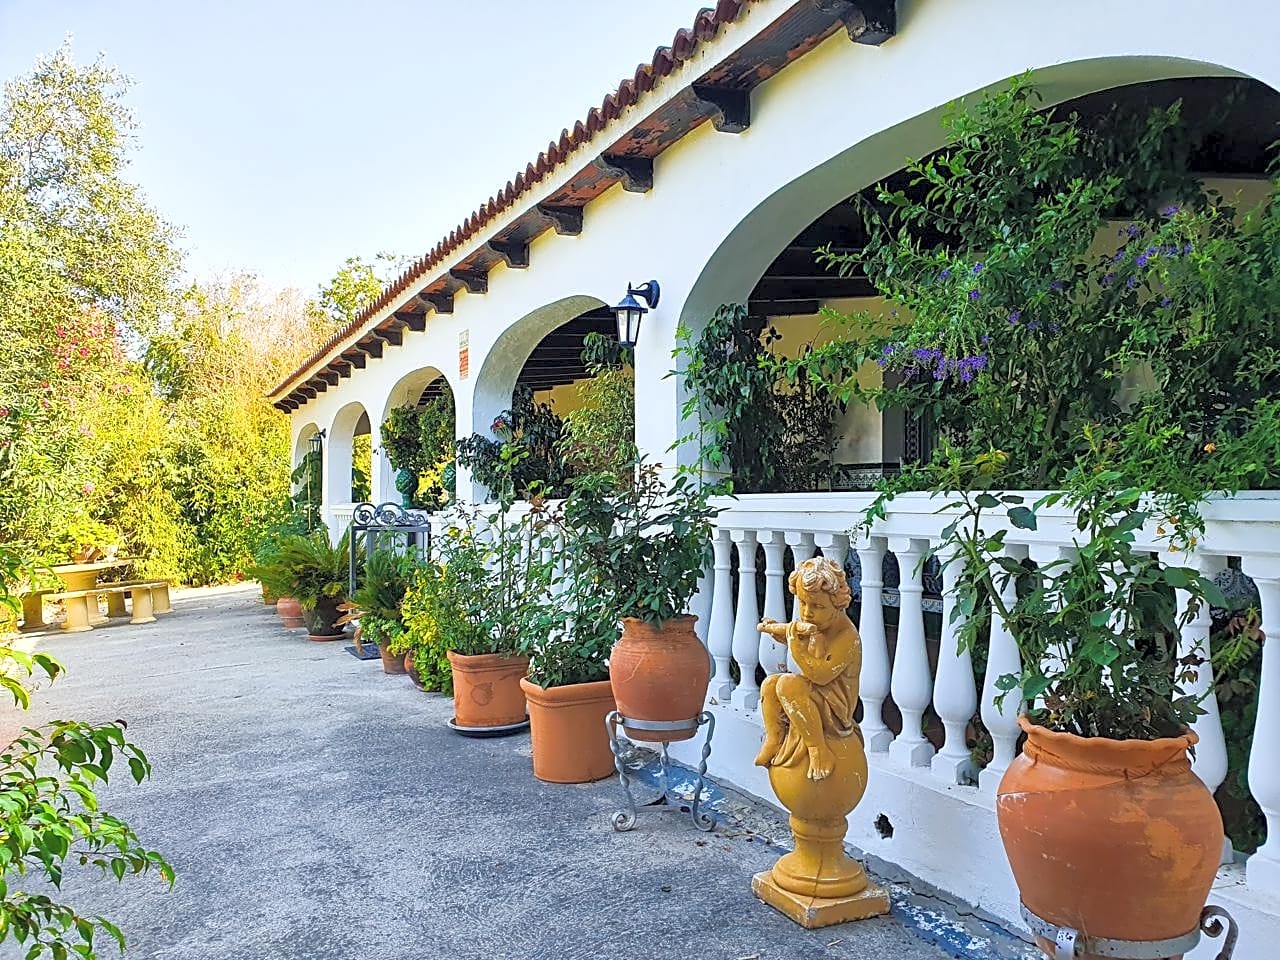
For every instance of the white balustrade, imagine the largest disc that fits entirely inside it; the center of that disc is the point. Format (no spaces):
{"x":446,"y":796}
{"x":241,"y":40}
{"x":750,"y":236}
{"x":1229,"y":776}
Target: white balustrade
{"x":875,"y":646}
{"x":720,"y":629}
{"x":773,"y":655}
{"x":1247,"y":526}
{"x":910,"y":683}
{"x":955,"y":696}
{"x":746,"y":638}
{"x":700,"y":606}
{"x":802,"y":548}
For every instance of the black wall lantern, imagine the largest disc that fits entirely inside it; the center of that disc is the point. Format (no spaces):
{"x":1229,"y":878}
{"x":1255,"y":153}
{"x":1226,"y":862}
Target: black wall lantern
{"x":629,"y":311}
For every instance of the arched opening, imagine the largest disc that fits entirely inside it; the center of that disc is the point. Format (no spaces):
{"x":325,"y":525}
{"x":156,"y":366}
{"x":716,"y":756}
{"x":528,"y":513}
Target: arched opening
{"x":417,"y":437}
{"x":772,"y":269}
{"x":347,"y":456}
{"x":307,"y":472}
{"x":558,"y":385}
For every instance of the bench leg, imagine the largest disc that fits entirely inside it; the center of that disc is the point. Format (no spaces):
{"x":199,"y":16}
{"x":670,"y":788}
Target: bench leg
{"x":115,"y":604}
{"x":160,"y":599}
{"x":33,"y":611}
{"x":77,"y":620}
{"x":95,"y":613}
{"x":142,"y":612}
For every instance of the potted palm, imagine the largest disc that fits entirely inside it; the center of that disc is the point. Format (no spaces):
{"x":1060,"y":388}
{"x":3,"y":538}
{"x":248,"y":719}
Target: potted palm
{"x":646,"y":545}
{"x":315,"y":572}
{"x":377,"y":604}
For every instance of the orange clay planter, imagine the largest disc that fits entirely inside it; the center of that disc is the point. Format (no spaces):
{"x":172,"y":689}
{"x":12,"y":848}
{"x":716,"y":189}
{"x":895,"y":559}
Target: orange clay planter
{"x":290,"y":611}
{"x":570,"y":742}
{"x":1115,"y":838}
{"x":659,"y":673}
{"x":486,"y":690}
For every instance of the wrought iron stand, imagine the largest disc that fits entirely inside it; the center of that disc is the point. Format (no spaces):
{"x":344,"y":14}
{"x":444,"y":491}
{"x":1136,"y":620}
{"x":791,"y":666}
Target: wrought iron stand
{"x":626,"y":819}
{"x":1071,"y":944}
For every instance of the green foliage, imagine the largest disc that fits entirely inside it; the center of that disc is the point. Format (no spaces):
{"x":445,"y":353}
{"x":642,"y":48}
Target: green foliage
{"x":379,"y":595}
{"x":600,"y":434}
{"x":525,"y":454}
{"x":50,"y":813}
{"x":421,"y":440}
{"x":432,"y":613}
{"x":308,"y":568}
{"x":356,"y":285}
{"x":644,"y":546}
{"x":1137,"y":379}
{"x":763,"y":423}
{"x":361,"y":467}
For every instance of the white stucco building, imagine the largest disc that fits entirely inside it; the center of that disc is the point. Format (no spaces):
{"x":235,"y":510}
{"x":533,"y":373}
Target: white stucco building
{"x":702,"y":171}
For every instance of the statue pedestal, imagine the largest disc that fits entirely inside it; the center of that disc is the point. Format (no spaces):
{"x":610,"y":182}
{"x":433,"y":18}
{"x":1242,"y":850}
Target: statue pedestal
{"x":811,"y":912}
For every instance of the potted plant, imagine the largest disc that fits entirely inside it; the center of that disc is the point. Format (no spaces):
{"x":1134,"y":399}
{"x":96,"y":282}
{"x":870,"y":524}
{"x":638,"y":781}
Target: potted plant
{"x":376,"y":604}
{"x":568,"y":688}
{"x":432,"y":612}
{"x":315,"y":572}
{"x":647,"y":544}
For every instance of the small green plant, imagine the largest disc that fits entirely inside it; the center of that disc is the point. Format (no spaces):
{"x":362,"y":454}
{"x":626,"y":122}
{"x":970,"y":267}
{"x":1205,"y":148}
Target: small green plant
{"x":644,"y":546}
{"x":378,"y":598}
{"x":420,"y":440}
{"x":308,"y":568}
{"x":524,"y":452}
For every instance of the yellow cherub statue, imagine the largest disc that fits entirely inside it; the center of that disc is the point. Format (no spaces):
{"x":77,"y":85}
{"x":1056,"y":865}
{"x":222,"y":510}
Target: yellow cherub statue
{"x":800,"y":711}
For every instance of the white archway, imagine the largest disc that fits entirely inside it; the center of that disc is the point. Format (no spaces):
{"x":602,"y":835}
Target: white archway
{"x":338,"y":454}
{"x":407,"y":391}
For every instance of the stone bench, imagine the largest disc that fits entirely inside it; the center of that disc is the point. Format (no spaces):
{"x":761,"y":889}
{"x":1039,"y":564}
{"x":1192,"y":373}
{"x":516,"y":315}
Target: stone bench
{"x":149,"y":598}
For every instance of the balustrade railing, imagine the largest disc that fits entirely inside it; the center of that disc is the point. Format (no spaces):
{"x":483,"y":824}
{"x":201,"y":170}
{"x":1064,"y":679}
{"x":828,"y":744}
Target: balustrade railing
{"x":923,"y":673}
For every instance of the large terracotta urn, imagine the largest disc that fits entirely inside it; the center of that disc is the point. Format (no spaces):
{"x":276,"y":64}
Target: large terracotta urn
{"x":566,"y":724}
{"x":659,"y":673}
{"x":486,"y":690}
{"x":290,"y":611}
{"x":1114,"y":838}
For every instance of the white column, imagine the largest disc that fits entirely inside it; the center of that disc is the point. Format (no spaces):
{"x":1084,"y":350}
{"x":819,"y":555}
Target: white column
{"x":746,"y":639}
{"x":720,"y":627}
{"x":773,"y":655}
{"x":1003,"y":660}
{"x":874,"y":682}
{"x":1262,"y":872}
{"x":1210,"y":761}
{"x":955,"y":696}
{"x":911,"y":684}
{"x":834,"y":546}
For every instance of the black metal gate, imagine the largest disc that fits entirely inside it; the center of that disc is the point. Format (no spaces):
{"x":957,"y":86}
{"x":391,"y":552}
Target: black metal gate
{"x":387,"y":526}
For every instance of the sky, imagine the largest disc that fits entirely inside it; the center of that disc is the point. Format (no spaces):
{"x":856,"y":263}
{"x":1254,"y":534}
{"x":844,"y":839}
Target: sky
{"x":283,"y":136}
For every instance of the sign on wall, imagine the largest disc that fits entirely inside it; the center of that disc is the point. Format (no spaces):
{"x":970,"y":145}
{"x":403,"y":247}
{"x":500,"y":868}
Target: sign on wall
{"x":464,"y":354}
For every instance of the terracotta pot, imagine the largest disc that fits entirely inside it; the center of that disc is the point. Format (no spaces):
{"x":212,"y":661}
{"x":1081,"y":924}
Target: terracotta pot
{"x":1115,"y":838}
{"x":268,"y":598}
{"x":391,"y":662}
{"x":290,"y":611}
{"x":659,"y":673}
{"x":413,"y":674}
{"x":570,"y":743}
{"x":321,"y":621}
{"x":486,"y":689}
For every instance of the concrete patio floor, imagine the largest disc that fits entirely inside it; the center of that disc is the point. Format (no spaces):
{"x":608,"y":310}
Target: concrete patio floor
{"x":314,"y":807}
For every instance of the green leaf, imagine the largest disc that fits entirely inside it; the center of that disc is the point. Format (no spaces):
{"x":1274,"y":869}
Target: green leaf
{"x":1022,"y":518}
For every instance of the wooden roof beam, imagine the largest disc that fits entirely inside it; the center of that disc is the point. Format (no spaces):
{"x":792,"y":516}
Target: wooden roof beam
{"x":566,"y":220}
{"x":514,"y":255}
{"x":473,"y":282}
{"x":730,"y":108}
{"x":635,"y":173}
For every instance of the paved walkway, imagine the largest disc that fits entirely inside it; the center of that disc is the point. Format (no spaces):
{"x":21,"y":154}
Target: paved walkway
{"x":315,"y":808}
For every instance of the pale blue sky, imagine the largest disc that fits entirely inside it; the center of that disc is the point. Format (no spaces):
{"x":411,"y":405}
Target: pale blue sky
{"x":284,"y":135}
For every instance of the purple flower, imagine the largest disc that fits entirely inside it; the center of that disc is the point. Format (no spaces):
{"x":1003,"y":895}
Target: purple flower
{"x":1055,"y":327}
{"x":975,"y":294}
{"x":977,"y":267}
{"x":1057,"y":285}
{"x":1171,"y":210}
{"x":1117,"y":256}
{"x":1170,"y":251}
{"x":1142,"y":260}
{"x":1131,"y":282}
{"x":984,"y":341}
{"x":941,"y":372}
{"x":1133,"y":230}
{"x":1015,"y":316}
{"x":945,"y":274}
{"x":1033,"y":325}
{"x":1109,"y":279}
{"x":1187,"y":249}
{"x":1166,"y":302}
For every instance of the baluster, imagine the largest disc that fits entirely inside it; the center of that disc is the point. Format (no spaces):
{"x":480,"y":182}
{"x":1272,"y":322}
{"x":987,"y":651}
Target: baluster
{"x":700,"y":605}
{"x":746,"y":638}
{"x":720,"y":627}
{"x":910,"y":682}
{"x":834,"y":546}
{"x":1003,"y":660}
{"x":802,"y":548}
{"x":874,"y":682}
{"x":955,"y":696}
{"x":1263,"y":868}
{"x":773,"y":655}
{"x":1210,"y":761}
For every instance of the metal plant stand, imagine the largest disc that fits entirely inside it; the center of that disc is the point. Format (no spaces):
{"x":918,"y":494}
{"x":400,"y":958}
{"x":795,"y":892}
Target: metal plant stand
{"x":1071,"y":944}
{"x":665,"y":803}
